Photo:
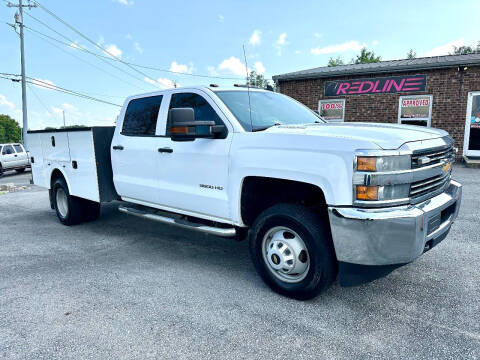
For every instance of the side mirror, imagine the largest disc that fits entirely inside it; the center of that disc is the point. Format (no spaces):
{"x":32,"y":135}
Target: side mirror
{"x":184,"y":127}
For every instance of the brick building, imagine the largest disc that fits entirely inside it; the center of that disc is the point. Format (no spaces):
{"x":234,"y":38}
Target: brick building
{"x":442,"y":92}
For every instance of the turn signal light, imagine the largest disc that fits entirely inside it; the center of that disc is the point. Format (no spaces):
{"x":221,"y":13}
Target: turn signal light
{"x":367,"y":192}
{"x":179,"y":130}
{"x":366,"y":163}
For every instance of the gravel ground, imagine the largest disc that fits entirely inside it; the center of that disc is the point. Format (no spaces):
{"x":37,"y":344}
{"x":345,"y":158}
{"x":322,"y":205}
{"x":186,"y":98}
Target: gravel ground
{"x":124,"y":287}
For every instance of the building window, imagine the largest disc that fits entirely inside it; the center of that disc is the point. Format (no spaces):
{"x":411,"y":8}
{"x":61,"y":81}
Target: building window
{"x":415,"y":110}
{"x":332,"y":110}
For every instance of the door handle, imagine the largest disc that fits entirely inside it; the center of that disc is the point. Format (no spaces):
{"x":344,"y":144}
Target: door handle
{"x":165,"y":150}
{"x":15,"y":155}
{"x":117,"y":147}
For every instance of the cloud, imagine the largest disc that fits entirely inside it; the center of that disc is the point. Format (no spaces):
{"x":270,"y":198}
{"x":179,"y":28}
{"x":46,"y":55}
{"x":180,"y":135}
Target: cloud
{"x":233,"y":65}
{"x":69,"y":107}
{"x":166,"y":83}
{"x":124,"y":2}
{"x":374,"y":42}
{"x":212,"y":71}
{"x":181,"y":68}
{"x":338,"y":48}
{"x":298,"y":52}
{"x":255,"y":39}
{"x":280,"y":43}
{"x":114,"y":50}
{"x":76,"y":45}
{"x":138,"y":47}
{"x":163,"y":83}
{"x":318,"y":35}
{"x":5,"y":102}
{"x":129,"y":37}
{"x":221,"y":18}
{"x":445,"y":48}
{"x":43,"y":84}
{"x":259,"y":67}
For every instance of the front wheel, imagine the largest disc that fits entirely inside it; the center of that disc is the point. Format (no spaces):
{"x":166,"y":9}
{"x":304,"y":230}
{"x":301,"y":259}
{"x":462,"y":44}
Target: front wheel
{"x":292,"y":251}
{"x":20,"y":170}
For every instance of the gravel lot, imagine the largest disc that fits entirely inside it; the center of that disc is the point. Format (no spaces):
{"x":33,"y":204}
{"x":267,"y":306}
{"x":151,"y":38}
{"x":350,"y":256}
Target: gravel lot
{"x":124,"y":287}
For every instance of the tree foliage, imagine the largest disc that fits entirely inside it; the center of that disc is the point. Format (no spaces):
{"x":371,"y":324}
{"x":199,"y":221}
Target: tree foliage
{"x":335,"y":62}
{"x":464,"y":50}
{"x":366,"y":57}
{"x":10,"y":131}
{"x":258,"y":80}
{"x":411,"y":54}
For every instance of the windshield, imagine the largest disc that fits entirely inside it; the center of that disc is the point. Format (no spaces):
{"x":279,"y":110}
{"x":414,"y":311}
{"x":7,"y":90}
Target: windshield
{"x":268,"y":109}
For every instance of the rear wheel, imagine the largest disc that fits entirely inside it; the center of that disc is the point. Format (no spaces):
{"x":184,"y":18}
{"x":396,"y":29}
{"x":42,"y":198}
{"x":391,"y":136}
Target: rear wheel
{"x":69,"y":208}
{"x":1,"y":170}
{"x":292,"y":251}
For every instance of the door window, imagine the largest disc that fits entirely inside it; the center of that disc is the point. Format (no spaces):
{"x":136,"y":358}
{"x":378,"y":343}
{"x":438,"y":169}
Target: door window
{"x":203,"y":111}
{"x":18,"y":149}
{"x":141,"y":116}
{"x":7,"y":150}
{"x":474,"y":136}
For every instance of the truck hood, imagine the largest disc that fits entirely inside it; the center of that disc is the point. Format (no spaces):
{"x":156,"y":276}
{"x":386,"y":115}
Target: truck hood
{"x":386,"y":136}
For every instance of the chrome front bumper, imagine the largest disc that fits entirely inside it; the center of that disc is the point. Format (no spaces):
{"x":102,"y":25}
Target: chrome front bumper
{"x":394,"y":235}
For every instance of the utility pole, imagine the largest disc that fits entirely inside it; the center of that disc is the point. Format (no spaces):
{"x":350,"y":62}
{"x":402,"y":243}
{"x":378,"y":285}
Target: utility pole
{"x":19,"y":21}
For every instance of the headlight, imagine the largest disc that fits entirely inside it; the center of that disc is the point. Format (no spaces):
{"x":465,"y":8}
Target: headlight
{"x":383,"y":163}
{"x":382,"y":193}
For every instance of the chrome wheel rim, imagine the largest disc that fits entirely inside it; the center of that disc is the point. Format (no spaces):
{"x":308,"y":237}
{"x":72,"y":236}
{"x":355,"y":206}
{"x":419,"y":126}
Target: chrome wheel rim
{"x":285,"y":254}
{"x":62,"y":202}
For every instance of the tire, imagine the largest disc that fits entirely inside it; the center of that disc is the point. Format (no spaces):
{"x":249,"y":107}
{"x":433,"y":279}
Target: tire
{"x":91,"y":210}
{"x":20,"y":170}
{"x":1,"y":170}
{"x":69,"y":208}
{"x":276,"y":239}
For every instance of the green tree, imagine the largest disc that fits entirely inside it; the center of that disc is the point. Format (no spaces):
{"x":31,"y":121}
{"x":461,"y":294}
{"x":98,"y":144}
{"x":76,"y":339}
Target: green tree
{"x":366,"y":57}
{"x":256,"y":79}
{"x":411,"y":54}
{"x":335,"y":62}
{"x":10,"y":131}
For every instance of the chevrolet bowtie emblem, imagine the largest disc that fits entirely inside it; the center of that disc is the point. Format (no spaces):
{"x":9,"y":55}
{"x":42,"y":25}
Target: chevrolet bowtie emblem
{"x":447,"y":167}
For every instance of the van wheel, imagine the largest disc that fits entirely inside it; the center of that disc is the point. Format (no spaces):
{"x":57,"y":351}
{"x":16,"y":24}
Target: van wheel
{"x":20,"y":170}
{"x":91,"y":210}
{"x":69,"y":208}
{"x":292,"y":251}
{"x":1,"y":170}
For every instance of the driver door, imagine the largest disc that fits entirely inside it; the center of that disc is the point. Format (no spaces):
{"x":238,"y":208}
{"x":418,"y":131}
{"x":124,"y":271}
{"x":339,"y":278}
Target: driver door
{"x":193,"y":174}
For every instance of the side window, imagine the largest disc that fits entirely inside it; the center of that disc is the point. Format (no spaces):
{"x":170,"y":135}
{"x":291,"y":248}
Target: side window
{"x":18,"y":148}
{"x":141,"y":116}
{"x":202,"y":109}
{"x":7,"y":150}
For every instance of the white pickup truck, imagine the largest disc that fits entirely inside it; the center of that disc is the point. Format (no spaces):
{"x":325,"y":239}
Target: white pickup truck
{"x":316,"y":200}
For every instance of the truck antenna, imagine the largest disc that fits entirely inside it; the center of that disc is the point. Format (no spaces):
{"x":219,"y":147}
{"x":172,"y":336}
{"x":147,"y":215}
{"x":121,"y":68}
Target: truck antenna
{"x":248,"y":87}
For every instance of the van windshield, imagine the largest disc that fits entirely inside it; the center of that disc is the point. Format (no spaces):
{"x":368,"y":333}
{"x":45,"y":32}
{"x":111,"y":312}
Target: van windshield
{"x":268,"y":109}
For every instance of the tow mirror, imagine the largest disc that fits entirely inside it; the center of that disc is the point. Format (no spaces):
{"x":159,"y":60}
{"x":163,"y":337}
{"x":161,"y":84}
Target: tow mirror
{"x":184,"y":127}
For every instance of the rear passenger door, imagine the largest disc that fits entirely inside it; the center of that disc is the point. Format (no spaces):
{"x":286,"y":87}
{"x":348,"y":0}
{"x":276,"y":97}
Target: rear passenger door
{"x":134,"y":151}
{"x":22,"y":159}
{"x":9,"y":157}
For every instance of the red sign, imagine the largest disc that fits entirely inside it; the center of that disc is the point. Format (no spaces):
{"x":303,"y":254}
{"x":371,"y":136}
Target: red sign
{"x":376,"y":85}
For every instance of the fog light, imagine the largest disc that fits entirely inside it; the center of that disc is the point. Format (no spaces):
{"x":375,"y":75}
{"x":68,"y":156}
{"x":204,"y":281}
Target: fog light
{"x":367,"y":192}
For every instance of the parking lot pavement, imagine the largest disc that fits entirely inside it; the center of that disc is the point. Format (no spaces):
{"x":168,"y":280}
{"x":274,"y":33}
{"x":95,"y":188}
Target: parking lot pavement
{"x":124,"y":287}
{"x":18,"y":179}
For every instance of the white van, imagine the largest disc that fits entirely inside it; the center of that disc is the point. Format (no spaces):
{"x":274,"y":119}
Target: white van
{"x":13,"y":157}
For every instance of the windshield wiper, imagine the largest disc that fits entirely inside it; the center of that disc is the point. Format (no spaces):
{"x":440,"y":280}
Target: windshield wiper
{"x":265,"y":127}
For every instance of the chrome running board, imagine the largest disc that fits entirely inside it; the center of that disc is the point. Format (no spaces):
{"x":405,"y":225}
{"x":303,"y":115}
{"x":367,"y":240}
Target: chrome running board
{"x":179,"y":221}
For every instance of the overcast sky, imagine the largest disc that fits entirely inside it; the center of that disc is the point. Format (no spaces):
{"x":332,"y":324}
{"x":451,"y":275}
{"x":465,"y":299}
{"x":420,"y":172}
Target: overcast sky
{"x":205,"y":38}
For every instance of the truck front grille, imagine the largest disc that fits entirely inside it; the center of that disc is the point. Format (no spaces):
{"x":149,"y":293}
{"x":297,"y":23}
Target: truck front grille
{"x":430,"y":185}
{"x":432,"y":156}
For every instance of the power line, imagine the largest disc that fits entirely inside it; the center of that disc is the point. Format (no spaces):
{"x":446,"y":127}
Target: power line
{"x":122,"y":61}
{"x":83,"y":60}
{"x":102,"y":58}
{"x":49,"y":86}
{"x":38,"y":99}
{"x":88,"y":39}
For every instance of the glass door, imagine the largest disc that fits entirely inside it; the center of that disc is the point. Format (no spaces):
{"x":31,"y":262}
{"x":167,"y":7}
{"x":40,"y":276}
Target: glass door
{"x":471,"y":144}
